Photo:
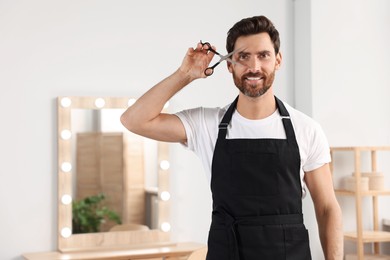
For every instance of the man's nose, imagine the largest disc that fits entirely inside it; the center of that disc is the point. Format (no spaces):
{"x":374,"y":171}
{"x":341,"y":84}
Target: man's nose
{"x":254,"y":64}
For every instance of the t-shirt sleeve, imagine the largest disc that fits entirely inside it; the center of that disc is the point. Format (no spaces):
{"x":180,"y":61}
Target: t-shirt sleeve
{"x":188,"y":117}
{"x":201,"y":126}
{"x":318,"y":149}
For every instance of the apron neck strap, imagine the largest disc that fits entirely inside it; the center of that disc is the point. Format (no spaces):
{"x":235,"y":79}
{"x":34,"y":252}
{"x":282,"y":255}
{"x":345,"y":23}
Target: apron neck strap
{"x":288,"y":127}
{"x":226,"y":119}
{"x":282,"y":111}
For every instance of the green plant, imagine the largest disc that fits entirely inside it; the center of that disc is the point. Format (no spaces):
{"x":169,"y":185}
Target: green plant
{"x":89,"y":213}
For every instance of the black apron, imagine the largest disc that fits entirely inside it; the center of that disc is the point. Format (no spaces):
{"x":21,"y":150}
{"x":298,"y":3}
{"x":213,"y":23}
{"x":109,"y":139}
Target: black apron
{"x":257,"y":197}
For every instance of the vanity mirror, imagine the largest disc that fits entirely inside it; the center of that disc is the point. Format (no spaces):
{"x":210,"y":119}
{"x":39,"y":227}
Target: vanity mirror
{"x":109,"y":161}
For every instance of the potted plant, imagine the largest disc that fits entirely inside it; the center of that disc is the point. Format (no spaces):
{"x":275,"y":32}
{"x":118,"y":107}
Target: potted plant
{"x":89,"y":213}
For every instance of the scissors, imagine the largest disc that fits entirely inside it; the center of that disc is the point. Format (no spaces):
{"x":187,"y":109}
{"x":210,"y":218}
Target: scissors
{"x":210,"y":70}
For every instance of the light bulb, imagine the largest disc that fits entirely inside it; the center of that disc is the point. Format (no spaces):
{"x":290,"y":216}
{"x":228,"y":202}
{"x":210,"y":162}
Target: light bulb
{"x":66,"y":102}
{"x":131,"y":102}
{"x":66,"y":167}
{"x":99,"y":102}
{"x":66,"y":199}
{"x":164,"y":164}
{"x":66,"y":232}
{"x":66,"y":134}
{"x":165,"y":195}
{"x":165,"y":226}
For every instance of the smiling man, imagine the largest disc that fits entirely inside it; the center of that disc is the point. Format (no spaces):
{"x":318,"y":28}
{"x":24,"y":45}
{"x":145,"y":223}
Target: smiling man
{"x":260,"y":153}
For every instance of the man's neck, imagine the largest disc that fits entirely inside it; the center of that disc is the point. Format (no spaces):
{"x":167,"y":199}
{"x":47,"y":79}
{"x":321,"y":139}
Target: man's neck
{"x":256,"y":108}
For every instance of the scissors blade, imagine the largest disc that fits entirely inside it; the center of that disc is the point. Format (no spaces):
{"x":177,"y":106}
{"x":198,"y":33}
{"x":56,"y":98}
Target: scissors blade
{"x":209,"y":70}
{"x":227,"y":56}
{"x":231,"y":61}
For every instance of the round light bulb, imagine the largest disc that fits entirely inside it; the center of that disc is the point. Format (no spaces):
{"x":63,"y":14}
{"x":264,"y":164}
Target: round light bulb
{"x":99,"y":102}
{"x":131,"y":102}
{"x":164,"y":164}
{"x":66,"y":199}
{"x":66,"y":134}
{"x":165,"y":195}
{"x":66,"y":167}
{"x":66,"y":232}
{"x":165,"y":226}
{"x":66,"y":102}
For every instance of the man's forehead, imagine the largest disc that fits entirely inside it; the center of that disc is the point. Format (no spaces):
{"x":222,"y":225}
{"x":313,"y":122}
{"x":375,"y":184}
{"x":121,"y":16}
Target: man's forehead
{"x":254,"y":43}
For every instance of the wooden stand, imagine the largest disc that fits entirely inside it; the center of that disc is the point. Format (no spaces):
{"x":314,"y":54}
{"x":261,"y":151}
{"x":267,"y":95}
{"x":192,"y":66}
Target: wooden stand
{"x":172,"y":252}
{"x":361,"y":236}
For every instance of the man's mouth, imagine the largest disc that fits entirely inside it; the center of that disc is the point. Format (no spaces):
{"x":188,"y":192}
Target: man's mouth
{"x":253,"y":80}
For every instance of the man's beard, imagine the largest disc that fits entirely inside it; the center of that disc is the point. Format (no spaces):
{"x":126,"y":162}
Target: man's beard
{"x":253,"y":90}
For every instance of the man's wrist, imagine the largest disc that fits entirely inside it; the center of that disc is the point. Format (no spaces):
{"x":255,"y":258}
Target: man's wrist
{"x":184,"y":76}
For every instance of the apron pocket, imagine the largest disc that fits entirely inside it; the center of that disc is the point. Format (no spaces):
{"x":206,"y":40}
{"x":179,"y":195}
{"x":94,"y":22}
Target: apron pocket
{"x":297,"y":243}
{"x":261,"y":242}
{"x":254,"y":174}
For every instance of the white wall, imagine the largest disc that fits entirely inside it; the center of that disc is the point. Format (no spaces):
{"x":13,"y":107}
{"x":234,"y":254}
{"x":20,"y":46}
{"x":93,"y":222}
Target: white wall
{"x":349,"y":59}
{"x":351,"y":79}
{"x":105,"y":48}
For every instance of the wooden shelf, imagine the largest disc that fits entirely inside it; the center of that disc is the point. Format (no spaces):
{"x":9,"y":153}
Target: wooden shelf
{"x":361,"y":236}
{"x":363,"y":193}
{"x":369,"y":236}
{"x":362,"y":148}
{"x":368,"y":257}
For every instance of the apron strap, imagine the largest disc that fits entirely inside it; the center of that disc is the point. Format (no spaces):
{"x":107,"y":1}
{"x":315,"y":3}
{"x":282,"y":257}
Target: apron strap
{"x":226,"y":120}
{"x":288,"y":127}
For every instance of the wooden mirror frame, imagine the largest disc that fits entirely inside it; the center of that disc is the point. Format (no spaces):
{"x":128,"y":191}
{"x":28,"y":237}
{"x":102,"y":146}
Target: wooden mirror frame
{"x":103,"y":240}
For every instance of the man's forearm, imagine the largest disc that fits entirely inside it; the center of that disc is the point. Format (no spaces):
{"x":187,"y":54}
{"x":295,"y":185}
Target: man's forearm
{"x":331,"y":233}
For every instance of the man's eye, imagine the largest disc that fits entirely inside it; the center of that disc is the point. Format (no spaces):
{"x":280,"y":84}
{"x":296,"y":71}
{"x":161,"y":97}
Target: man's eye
{"x":264,"y":55}
{"x":243,"y":56}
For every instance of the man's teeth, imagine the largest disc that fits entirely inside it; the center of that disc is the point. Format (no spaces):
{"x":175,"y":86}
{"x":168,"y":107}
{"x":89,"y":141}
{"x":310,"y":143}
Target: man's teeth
{"x":252,"y":78}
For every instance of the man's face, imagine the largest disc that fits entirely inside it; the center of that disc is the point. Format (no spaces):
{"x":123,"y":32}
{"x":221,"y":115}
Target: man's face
{"x":256,"y":63}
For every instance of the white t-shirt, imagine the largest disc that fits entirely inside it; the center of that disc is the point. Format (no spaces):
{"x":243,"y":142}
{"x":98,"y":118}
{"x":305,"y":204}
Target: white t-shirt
{"x":201,"y":126}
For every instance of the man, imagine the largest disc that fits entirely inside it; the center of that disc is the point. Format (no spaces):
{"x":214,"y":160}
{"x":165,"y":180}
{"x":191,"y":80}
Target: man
{"x":260,"y":152}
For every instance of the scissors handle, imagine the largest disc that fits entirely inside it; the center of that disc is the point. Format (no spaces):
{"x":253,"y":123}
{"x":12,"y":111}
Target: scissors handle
{"x":209,"y":71}
{"x":209,"y":47}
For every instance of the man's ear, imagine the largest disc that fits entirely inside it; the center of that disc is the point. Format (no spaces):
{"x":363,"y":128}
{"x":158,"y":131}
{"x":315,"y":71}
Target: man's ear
{"x":229,"y":66}
{"x":279,"y":59}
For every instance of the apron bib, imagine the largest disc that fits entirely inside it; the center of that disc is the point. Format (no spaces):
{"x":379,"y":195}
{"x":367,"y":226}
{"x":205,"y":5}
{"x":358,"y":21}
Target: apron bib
{"x":257,"y":197}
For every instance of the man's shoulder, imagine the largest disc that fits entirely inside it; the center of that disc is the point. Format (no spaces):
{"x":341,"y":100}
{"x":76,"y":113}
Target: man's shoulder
{"x":204,"y":113}
{"x":299,"y":116}
{"x":304,"y":126}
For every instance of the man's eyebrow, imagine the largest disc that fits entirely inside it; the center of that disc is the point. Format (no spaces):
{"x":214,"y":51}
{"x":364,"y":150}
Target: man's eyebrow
{"x":259,"y":52}
{"x":265,"y":52}
{"x":243,"y":52}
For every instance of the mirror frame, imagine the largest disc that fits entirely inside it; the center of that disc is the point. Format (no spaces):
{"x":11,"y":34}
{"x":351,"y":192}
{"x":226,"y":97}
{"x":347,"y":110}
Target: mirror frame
{"x":103,"y":240}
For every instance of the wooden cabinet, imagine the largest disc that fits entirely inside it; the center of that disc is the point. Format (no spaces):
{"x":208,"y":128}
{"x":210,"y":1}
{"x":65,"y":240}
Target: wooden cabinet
{"x":361,"y":236}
